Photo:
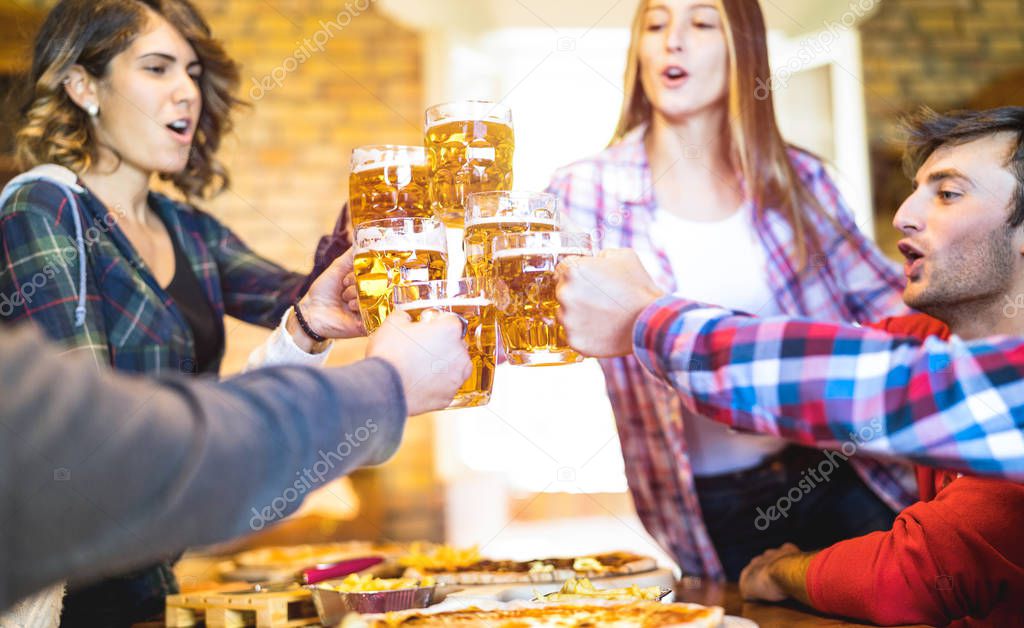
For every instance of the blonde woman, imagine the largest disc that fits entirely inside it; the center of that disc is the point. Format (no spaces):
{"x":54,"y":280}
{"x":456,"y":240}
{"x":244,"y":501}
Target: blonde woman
{"x":699,"y":181}
{"x":124,"y":91}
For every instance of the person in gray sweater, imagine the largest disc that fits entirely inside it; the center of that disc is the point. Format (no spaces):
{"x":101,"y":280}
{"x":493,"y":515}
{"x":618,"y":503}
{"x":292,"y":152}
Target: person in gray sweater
{"x":101,"y":472}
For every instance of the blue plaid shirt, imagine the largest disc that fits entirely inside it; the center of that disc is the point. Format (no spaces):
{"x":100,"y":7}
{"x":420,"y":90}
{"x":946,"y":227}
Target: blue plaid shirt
{"x":131,"y":322}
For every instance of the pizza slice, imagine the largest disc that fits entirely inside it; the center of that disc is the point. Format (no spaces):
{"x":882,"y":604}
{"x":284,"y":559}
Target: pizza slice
{"x":645,"y":614}
{"x":464,"y":567}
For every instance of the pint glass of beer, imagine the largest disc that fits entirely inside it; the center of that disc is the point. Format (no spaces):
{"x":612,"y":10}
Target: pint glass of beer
{"x":490,"y":214}
{"x":524,"y":292}
{"x":464,"y":298}
{"x":469,"y":149}
{"x":388,"y":182}
{"x":393,"y":251}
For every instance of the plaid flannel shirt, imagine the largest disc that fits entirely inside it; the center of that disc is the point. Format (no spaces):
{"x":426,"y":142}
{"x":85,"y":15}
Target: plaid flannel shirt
{"x":612,"y":196}
{"x":948,"y":404}
{"x":131,"y":322}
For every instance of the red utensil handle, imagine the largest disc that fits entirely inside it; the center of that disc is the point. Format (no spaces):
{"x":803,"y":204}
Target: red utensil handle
{"x":344,"y":568}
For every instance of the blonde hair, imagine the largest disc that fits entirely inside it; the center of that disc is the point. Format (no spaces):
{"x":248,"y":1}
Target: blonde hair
{"x":755,"y":144}
{"x":91,"y":33}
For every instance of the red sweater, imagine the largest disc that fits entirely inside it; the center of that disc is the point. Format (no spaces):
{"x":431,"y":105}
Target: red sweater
{"x":954,"y":558}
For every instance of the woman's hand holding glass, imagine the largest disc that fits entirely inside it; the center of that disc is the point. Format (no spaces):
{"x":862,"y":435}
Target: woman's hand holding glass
{"x":326,"y":309}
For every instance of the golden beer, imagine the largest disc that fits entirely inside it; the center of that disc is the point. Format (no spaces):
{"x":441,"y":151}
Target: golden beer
{"x":524,"y":291}
{"x":391,"y":252}
{"x":469,"y":149}
{"x":479,"y":314}
{"x":480,"y":236}
{"x":388,"y":182}
{"x":377,"y":272}
{"x":492,"y":214}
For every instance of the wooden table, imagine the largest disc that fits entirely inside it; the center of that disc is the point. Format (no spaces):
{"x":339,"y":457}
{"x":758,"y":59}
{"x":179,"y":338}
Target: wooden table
{"x":787,"y":615}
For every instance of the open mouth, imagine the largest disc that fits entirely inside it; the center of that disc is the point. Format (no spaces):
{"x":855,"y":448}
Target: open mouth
{"x":909,"y":252}
{"x":913,"y":256}
{"x":675,"y":73}
{"x":181,"y":127}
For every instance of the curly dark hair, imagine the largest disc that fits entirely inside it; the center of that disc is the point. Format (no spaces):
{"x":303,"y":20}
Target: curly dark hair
{"x":91,"y":33}
{"x":928,"y":131}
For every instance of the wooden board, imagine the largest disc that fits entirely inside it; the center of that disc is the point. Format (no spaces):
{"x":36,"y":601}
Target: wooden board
{"x":221,"y":609}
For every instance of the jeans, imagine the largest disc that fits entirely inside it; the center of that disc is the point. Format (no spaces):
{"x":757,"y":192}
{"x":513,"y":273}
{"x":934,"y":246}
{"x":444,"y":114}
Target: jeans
{"x":838,"y":508}
{"x":122,"y":600}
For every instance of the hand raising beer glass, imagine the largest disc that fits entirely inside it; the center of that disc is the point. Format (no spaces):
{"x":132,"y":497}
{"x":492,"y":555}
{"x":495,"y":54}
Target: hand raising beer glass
{"x":393,"y":251}
{"x":490,"y":214}
{"x":388,"y":182}
{"x":524,"y":292}
{"x":469,"y":149}
{"x":465,"y":298}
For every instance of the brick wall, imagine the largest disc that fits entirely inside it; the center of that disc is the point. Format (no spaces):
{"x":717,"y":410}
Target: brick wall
{"x":323,"y":77}
{"x":321,"y":83}
{"x":946,"y":54}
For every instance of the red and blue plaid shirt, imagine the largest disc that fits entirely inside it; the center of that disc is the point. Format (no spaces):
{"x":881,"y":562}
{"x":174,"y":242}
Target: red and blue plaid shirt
{"x":947,"y":404}
{"x":611,"y":196}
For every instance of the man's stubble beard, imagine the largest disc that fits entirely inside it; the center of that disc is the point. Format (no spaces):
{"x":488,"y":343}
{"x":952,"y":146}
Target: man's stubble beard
{"x":969,"y":284}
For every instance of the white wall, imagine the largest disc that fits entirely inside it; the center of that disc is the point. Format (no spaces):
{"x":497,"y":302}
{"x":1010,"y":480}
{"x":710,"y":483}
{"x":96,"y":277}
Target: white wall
{"x":818,"y":88}
{"x":547,"y":429}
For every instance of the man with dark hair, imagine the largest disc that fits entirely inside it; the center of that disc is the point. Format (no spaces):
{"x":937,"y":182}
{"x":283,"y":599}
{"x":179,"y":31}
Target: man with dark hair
{"x":942,"y":394}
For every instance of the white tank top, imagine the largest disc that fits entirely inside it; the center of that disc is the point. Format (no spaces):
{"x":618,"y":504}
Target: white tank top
{"x":721,"y":262}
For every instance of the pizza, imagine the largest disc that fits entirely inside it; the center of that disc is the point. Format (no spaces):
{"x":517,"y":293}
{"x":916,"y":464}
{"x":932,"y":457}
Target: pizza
{"x":299,"y":556}
{"x":647,"y":614}
{"x":583,"y":589}
{"x":451,"y":566}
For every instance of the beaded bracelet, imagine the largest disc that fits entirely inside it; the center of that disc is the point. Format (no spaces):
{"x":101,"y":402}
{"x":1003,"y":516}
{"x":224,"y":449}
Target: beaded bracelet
{"x":305,"y":326}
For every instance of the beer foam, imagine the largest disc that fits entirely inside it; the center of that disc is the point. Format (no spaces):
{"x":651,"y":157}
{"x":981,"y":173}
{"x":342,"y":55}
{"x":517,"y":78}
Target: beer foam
{"x":445,"y":303}
{"x":567,"y":250}
{"x":495,"y":120}
{"x":493,"y":220}
{"x":386,"y":156}
{"x":401,"y":245}
{"x":391,"y":163}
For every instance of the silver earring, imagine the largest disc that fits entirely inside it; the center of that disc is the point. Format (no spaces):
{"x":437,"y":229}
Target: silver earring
{"x":92,"y":109}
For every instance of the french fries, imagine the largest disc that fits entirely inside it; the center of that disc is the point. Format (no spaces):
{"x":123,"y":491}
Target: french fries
{"x":356,"y":583}
{"x":440,"y":557}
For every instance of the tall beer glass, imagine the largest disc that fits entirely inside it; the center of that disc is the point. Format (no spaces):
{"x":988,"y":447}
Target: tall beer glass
{"x":393,"y":251}
{"x":388,"y":182}
{"x":464,"y":298}
{"x":524,"y":291}
{"x":490,"y":214}
{"x":469,"y":149}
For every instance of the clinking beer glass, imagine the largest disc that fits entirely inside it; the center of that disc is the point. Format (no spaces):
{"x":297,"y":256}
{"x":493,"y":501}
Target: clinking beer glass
{"x":393,"y":251}
{"x":465,"y":298}
{"x":524,"y":282}
{"x":469,"y":149}
{"x":490,"y":214}
{"x":388,"y":181}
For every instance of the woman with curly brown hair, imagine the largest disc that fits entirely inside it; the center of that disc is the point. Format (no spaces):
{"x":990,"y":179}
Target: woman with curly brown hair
{"x":122,"y":91}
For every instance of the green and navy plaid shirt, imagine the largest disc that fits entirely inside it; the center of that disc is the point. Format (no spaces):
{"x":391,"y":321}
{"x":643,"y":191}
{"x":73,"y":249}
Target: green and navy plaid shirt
{"x":131,"y":322}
